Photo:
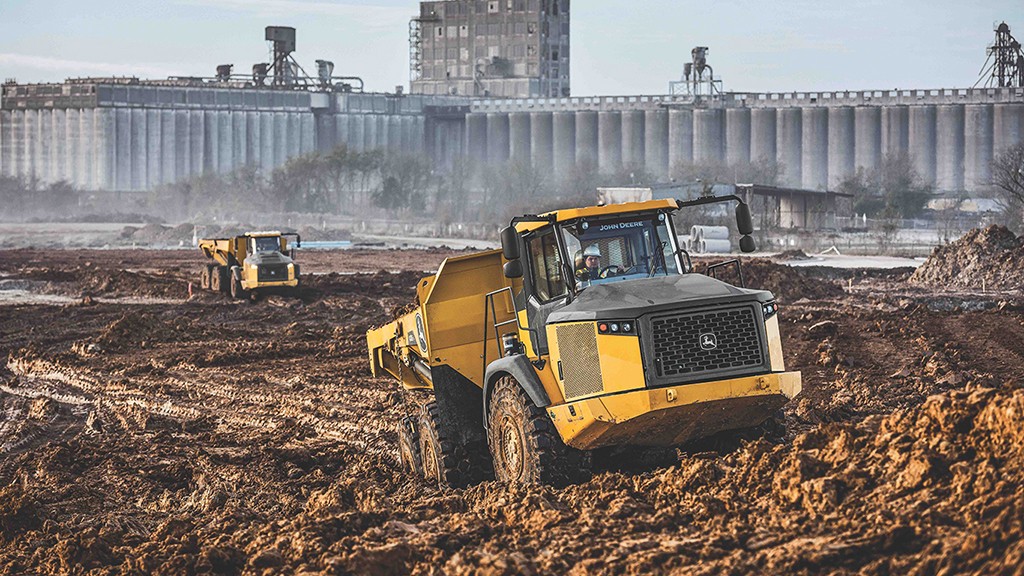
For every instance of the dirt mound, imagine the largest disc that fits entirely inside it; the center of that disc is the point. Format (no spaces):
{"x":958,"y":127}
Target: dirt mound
{"x":132,"y":283}
{"x":139,"y":329}
{"x":158,"y":234}
{"x":788,"y":284}
{"x":313,"y":234}
{"x":791,"y":255}
{"x":990,"y":258}
{"x":136,"y":331}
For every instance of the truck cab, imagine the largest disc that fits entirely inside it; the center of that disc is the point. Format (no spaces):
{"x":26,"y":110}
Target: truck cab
{"x":267,"y":262}
{"x":251,"y":264}
{"x":643,"y":350}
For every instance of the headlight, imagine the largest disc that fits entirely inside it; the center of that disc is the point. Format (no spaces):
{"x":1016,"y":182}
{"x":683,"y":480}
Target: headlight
{"x":624,"y":327}
{"x":770,"y":309}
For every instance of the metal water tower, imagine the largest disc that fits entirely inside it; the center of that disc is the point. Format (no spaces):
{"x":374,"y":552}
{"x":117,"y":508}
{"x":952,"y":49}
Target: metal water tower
{"x":283,"y":40}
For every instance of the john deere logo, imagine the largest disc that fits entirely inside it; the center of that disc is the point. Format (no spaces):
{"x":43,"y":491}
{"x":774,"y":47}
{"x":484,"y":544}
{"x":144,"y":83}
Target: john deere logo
{"x":708,"y":341}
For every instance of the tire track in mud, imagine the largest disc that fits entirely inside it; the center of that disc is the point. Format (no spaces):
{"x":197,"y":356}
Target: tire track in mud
{"x":26,"y":425}
{"x":333,"y":411}
{"x":13,"y":414}
{"x":237,"y":409}
{"x":27,"y":439}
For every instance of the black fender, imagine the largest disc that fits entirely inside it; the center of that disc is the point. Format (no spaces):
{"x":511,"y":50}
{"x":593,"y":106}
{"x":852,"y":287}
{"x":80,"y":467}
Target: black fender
{"x":520,"y":368}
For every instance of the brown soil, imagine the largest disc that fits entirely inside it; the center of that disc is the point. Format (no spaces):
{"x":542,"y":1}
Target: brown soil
{"x":205,"y":436}
{"x":786,"y":283}
{"x":992,"y":258}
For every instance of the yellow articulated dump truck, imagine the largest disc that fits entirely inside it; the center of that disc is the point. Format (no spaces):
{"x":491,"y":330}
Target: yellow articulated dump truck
{"x":252,"y":264}
{"x":588,"y":330}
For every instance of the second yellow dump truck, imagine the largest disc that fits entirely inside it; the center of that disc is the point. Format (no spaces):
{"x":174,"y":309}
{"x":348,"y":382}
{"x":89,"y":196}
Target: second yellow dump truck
{"x":251,"y":264}
{"x":589,"y":329}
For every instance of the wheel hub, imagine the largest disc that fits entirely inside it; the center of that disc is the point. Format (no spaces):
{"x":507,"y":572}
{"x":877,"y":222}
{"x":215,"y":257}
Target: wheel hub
{"x":511,"y":448}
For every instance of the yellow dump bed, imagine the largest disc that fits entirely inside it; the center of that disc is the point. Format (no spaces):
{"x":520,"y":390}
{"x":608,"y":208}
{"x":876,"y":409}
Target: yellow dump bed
{"x":448,"y":327}
{"x":222,"y":249}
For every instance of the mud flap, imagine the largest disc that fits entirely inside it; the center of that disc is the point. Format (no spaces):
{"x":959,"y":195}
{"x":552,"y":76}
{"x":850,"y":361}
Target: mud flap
{"x":459,"y":401}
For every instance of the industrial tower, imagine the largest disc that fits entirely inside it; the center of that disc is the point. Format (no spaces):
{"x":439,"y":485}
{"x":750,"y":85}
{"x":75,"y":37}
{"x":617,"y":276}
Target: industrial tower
{"x":496,"y":48}
{"x":1004,"y":67}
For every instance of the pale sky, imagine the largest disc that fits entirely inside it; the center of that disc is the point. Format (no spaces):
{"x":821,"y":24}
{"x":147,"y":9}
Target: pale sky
{"x":618,"y":46}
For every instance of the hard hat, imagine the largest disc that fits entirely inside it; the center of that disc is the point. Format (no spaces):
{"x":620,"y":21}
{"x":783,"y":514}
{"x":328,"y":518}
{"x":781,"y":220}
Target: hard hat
{"x":592,"y":250}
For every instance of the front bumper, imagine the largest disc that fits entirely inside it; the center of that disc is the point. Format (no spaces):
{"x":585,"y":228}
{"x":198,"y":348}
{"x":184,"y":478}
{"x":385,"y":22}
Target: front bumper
{"x":673,"y":415}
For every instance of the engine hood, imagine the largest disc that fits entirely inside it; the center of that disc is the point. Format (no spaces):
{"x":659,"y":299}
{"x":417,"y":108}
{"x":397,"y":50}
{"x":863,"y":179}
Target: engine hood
{"x":635,"y":298}
{"x":267,"y":258}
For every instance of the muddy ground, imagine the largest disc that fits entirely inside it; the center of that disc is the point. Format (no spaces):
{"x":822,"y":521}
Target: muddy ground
{"x":146,"y":432}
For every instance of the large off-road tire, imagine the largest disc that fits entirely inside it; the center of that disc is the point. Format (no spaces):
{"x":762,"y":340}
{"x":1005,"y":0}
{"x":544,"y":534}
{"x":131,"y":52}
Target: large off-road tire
{"x":524,"y":444}
{"x":219,"y":279}
{"x":236,"y":284}
{"x":204,"y":277}
{"x":409,"y":446}
{"x":223,"y":274}
{"x":447,"y":463}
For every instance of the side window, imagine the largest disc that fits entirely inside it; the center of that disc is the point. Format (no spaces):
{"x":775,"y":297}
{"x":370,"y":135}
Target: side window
{"x":546,"y":266}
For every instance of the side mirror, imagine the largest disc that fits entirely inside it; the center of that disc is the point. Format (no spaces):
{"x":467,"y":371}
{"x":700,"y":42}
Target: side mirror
{"x":513,"y":269}
{"x":747,"y":245}
{"x":510,"y":244}
{"x":743,"y":220}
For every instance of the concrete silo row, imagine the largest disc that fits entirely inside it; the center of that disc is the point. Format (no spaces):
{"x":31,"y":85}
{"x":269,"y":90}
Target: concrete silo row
{"x":139,"y":148}
{"x":362,"y":132}
{"x":950,"y":145}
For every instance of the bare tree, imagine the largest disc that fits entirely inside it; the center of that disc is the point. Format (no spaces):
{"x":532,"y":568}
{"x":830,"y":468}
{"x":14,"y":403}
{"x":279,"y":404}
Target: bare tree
{"x":1008,"y":182}
{"x":405,"y":182}
{"x":894,"y":190}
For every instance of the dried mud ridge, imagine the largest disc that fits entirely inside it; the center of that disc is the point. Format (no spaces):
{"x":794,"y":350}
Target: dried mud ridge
{"x":213,"y":437}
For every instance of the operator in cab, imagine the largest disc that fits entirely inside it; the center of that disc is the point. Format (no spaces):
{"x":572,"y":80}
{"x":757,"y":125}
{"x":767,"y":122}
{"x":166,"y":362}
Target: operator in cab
{"x":588,"y":263}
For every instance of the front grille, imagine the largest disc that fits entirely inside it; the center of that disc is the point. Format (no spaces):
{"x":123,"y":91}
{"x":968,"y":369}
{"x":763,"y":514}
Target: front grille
{"x":687,"y":345}
{"x":581,"y":364}
{"x":272,"y":272}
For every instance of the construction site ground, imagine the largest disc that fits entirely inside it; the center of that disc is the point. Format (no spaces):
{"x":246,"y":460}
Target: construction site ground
{"x":143,"y":431}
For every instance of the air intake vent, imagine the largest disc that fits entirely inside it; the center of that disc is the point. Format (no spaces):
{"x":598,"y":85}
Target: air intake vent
{"x":690,"y":345}
{"x":581,"y":365}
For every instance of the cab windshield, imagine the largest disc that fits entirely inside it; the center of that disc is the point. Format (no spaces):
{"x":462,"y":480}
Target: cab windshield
{"x":267,"y":244}
{"x":617,"y":250}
